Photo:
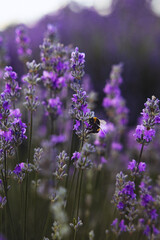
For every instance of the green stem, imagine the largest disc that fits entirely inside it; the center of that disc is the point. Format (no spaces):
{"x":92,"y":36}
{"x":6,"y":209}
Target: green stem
{"x":17,"y":154}
{"x":5,"y":184}
{"x":75,"y":198}
{"x":69,"y":164}
{"x":140,"y":155}
{"x":14,"y":105}
{"x":75,"y":234}
{"x":46,"y":224}
{"x":7,"y":203}
{"x":52,"y":125}
{"x":30,"y":136}
{"x":35,"y":208}
{"x":73,"y":177}
{"x":79,"y":195}
{"x":26,"y":192}
{"x":21,"y":204}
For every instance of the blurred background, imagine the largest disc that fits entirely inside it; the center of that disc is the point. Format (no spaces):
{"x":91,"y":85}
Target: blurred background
{"x":108,"y":31}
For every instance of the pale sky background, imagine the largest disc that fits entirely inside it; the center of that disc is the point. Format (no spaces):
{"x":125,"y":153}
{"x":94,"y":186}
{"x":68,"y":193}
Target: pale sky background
{"x":30,"y":11}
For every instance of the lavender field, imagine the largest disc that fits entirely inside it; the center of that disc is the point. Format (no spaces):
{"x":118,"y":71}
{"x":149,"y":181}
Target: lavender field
{"x":76,"y":162}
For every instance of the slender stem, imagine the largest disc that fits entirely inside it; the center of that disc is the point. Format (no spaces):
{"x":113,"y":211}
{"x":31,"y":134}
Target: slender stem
{"x":140,"y":155}
{"x":17,"y":154}
{"x":26,"y":192}
{"x":46,"y":224}
{"x":52,"y":125}
{"x":7,"y":204}
{"x":69,"y":164}
{"x":35,"y":208}
{"x":14,"y":105}
{"x":21,"y":204}
{"x":73,"y":177}
{"x":75,"y":231}
{"x":25,"y":209}
{"x":75,"y":198}
{"x":5,"y":184}
{"x":79,"y":195}
{"x":30,"y":136}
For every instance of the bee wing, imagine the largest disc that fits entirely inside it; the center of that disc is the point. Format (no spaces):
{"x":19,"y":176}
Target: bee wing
{"x":103,"y":126}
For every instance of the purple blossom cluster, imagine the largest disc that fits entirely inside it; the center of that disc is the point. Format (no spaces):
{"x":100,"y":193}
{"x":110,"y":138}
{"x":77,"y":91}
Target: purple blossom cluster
{"x":13,"y":132}
{"x":62,"y":160}
{"x":149,"y":205}
{"x":136,"y":168}
{"x":31,"y":81}
{"x":114,"y":103}
{"x":79,"y":111}
{"x":81,"y":160}
{"x":118,"y":227}
{"x":53,"y":107}
{"x":125,"y":200}
{"x":55,"y":60}
{"x":11,"y":87}
{"x":23,"y":42}
{"x":77,"y":64}
{"x":55,"y":63}
{"x":145,"y":132}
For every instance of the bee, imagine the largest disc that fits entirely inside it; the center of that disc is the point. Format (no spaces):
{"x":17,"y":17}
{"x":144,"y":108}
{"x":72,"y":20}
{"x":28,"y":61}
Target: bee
{"x":95,"y":125}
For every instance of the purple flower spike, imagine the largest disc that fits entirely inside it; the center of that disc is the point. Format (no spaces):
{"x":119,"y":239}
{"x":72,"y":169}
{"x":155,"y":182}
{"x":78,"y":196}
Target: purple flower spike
{"x":142,"y":167}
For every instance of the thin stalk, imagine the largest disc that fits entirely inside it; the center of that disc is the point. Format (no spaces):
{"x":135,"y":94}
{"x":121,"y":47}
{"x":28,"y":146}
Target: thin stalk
{"x":7,"y":203}
{"x":75,"y":198}
{"x":17,"y":154}
{"x":46,"y":224}
{"x":140,"y":155}
{"x":30,"y":136}
{"x":69,"y":164}
{"x":5,"y":184}
{"x":52,"y":125}
{"x":14,"y":105}
{"x":78,"y":185}
{"x":21,"y":204}
{"x":73,"y":177}
{"x":79,"y":195}
{"x":75,"y":231}
{"x":26,"y":192}
{"x":35,"y":208}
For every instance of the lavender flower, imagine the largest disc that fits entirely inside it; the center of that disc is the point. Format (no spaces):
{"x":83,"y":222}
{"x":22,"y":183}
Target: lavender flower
{"x":118,"y":227}
{"x":136,"y":168}
{"x":114,"y":103}
{"x":53,"y":82}
{"x":148,"y":205}
{"x":76,"y":224}
{"x":145,"y":132}
{"x":77,"y":64}
{"x":125,"y":200}
{"x":37,"y":158}
{"x":19,"y":172}
{"x":4,"y":109}
{"x":53,"y":107}
{"x":3,"y":201}
{"x":18,"y":131}
{"x":55,"y":60}
{"x":51,"y":33}
{"x":82,"y":160}
{"x":79,"y":110}
{"x":31,"y":79}
{"x":62,"y":160}
{"x":23,"y":41}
